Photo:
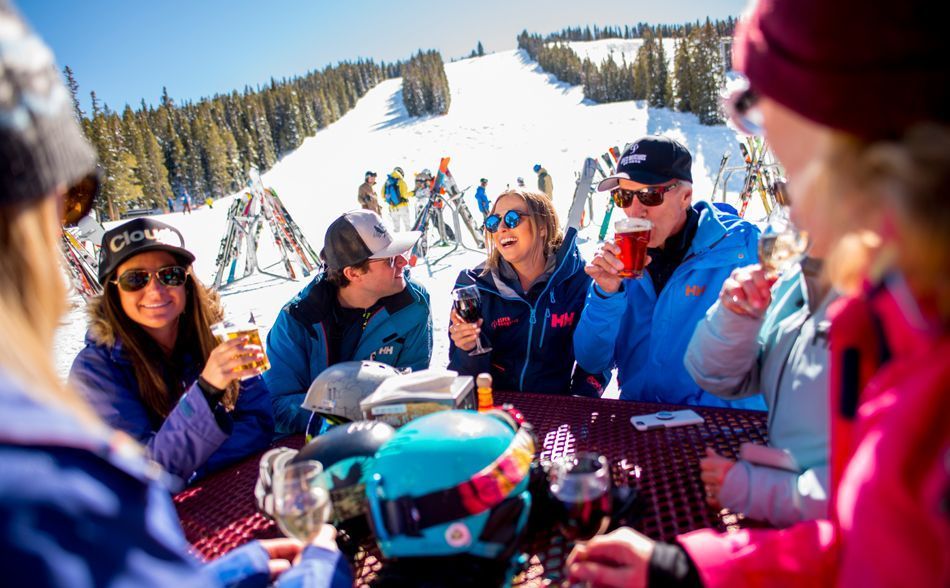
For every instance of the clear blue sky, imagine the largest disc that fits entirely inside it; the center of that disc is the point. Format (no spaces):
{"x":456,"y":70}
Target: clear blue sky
{"x":127,"y":50}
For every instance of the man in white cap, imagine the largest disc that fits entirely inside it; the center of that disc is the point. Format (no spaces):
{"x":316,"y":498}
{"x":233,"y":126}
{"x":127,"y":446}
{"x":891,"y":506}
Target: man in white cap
{"x":363,"y":306}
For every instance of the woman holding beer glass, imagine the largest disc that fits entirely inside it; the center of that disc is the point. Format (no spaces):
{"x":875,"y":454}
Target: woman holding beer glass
{"x":864,"y":165}
{"x":151,"y":366}
{"x":532,"y":289}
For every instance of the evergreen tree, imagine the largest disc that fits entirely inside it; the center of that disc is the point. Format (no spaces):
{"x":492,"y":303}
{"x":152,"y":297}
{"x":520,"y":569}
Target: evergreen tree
{"x":74,"y":92}
{"x":479,"y":50}
{"x":683,"y":76}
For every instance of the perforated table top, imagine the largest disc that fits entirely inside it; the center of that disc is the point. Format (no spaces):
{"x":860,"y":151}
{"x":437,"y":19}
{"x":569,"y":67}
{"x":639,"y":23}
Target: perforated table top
{"x":218,"y":513}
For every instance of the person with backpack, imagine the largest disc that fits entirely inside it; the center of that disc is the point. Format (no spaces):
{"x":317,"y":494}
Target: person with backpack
{"x":397,"y":197}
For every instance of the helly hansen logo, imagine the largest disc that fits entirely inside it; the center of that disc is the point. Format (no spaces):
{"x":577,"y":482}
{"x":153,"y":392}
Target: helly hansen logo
{"x":695,"y":290}
{"x":387,"y":350}
{"x":565,"y":319}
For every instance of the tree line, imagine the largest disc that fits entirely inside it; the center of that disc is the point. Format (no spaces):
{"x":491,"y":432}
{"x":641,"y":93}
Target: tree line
{"x":698,"y":72}
{"x":724,"y":28}
{"x":425,"y":87}
{"x":206,"y":148}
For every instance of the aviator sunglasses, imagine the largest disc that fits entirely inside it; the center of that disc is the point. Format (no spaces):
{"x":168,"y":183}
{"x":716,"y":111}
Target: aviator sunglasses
{"x":170,"y":276}
{"x":512,"y":219}
{"x":650,"y":196}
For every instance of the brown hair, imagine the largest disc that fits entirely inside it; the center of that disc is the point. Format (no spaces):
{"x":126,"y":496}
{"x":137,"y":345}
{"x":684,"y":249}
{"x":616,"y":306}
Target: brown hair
{"x":202,"y":309}
{"x":338,"y":279}
{"x":542,"y":219}
{"x":32,"y":301}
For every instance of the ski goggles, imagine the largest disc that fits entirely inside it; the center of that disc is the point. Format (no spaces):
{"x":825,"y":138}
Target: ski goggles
{"x":512,"y":219}
{"x":170,"y":276}
{"x":741,"y":107}
{"x":649,"y":196}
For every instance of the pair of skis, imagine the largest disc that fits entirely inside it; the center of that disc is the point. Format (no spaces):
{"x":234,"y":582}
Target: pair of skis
{"x":82,"y":266}
{"x":611,"y":159}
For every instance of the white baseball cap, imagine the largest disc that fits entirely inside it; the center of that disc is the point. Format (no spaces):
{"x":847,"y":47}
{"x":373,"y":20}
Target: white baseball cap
{"x":359,"y":235}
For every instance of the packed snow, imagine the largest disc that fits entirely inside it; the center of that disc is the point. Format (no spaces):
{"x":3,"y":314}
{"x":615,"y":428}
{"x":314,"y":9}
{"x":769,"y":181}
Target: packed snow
{"x":620,"y":50}
{"x":506,"y":115}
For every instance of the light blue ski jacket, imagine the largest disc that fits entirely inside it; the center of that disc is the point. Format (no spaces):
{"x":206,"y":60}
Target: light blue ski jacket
{"x":645,"y":336}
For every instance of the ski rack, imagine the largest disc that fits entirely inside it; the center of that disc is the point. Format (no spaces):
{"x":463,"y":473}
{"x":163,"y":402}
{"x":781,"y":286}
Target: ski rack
{"x":245,"y":224}
{"x":81,"y":265}
{"x":452,"y":204}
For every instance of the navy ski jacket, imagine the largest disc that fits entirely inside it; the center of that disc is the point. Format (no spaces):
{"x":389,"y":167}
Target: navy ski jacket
{"x":399,"y":334}
{"x":532,"y":336}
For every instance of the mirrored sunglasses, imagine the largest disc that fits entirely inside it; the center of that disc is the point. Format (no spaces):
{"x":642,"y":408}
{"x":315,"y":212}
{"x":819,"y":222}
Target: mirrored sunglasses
{"x":391,"y":261}
{"x":512,"y":219}
{"x":170,"y":276}
{"x":649,"y":196}
{"x":741,"y":107}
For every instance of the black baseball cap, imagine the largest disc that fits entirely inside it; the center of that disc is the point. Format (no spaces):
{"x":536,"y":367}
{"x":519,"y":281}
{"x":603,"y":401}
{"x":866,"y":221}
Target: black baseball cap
{"x":652,"y":160}
{"x":359,"y":235}
{"x":370,"y":173}
{"x":138,"y":236}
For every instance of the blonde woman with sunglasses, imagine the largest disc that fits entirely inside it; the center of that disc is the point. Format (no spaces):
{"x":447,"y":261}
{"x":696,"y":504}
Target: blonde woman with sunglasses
{"x":151,"y":366}
{"x":532,"y":289}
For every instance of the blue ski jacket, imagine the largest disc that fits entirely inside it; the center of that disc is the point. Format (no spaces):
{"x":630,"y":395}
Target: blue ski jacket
{"x":645,"y":336}
{"x":484,"y":204}
{"x":532,"y":336}
{"x":399,"y":333}
{"x":195,"y":438}
{"x":80,"y":507}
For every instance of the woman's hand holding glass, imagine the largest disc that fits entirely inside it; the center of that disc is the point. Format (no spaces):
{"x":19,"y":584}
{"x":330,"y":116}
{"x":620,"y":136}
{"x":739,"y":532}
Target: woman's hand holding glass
{"x":748,"y":291}
{"x":232,"y":360}
{"x":618,"y":559}
{"x":464,"y":334}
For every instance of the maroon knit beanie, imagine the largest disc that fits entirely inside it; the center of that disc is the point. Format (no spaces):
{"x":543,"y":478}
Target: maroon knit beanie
{"x":866,"y":67}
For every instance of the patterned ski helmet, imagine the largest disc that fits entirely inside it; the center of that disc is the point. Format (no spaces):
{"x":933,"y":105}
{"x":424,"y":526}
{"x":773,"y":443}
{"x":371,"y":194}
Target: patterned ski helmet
{"x":453,"y":483}
{"x":336,"y":393}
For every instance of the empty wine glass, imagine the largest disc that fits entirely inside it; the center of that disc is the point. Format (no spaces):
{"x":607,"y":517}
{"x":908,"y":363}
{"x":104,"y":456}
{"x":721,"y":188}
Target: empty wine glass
{"x":301,"y":500}
{"x":468,"y":306}
{"x":781,"y":244}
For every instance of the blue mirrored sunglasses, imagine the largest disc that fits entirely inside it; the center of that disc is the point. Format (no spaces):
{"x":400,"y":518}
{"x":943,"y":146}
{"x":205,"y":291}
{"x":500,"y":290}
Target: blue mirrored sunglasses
{"x":512,"y":219}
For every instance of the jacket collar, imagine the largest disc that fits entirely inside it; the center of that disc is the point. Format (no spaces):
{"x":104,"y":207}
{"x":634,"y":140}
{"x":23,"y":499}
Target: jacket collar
{"x":315,"y":302}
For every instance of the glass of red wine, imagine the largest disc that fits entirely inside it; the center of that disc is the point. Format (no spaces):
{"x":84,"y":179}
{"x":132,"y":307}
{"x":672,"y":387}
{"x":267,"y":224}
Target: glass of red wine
{"x":581,"y":484}
{"x":468,"y":306}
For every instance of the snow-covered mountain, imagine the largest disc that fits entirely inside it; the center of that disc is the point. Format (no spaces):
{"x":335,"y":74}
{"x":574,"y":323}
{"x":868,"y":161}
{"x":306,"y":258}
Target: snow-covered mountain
{"x":506,"y":115}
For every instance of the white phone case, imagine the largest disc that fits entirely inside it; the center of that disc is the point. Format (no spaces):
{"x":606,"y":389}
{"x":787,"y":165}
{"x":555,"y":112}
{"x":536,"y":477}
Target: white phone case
{"x":666,"y":419}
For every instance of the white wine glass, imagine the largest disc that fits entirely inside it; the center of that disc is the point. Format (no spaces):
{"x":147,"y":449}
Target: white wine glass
{"x":781,"y":244}
{"x":301,"y":500}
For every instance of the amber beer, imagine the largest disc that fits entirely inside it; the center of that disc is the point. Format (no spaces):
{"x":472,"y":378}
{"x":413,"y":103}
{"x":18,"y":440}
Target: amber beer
{"x":632,"y":235}
{"x":226,"y":330}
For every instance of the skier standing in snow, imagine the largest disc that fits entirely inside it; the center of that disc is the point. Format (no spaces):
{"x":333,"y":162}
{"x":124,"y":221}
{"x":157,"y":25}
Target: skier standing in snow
{"x":186,"y":203}
{"x":80,"y":504}
{"x":171,"y":204}
{"x":397,"y":195}
{"x":545,"y":183}
{"x":366,"y":196}
{"x":484,"y":204}
{"x":363,"y":306}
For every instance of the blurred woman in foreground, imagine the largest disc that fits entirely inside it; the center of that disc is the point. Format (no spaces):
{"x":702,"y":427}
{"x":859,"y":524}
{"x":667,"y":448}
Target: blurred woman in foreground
{"x":79,"y":504}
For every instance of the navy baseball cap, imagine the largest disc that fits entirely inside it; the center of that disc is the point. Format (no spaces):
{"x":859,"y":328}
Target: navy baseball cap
{"x":652,"y":160}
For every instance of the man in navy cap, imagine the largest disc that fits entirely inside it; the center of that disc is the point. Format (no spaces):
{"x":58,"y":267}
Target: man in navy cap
{"x":643,"y":326}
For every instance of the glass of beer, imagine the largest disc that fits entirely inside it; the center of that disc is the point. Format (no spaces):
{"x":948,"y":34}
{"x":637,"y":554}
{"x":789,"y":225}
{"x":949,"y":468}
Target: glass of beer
{"x":301,"y":500}
{"x":581,"y":484}
{"x":632,"y":235}
{"x":468,"y":305}
{"x":227,"y":329}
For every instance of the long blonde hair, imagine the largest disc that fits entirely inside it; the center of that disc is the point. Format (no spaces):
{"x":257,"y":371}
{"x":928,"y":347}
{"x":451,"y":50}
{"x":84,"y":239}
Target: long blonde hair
{"x":32,"y":302}
{"x":543,"y":221}
{"x":899,"y":190}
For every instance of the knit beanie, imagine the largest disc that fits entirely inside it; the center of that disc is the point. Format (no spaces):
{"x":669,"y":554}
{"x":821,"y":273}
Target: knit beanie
{"x":866,"y":67}
{"x":41,"y":144}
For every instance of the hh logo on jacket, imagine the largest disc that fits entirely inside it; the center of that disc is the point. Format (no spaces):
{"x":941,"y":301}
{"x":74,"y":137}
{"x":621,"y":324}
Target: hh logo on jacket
{"x":695,"y":290}
{"x":565,"y":319}
{"x":387,"y":350}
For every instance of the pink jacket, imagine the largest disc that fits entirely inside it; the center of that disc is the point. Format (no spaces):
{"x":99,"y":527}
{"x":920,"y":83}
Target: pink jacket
{"x":890,"y":523}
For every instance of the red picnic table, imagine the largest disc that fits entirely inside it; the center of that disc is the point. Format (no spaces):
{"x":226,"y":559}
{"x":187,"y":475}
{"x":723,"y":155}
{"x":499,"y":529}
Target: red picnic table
{"x":218,"y":513}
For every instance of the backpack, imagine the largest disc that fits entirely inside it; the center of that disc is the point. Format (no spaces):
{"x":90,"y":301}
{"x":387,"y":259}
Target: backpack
{"x":392,"y":191}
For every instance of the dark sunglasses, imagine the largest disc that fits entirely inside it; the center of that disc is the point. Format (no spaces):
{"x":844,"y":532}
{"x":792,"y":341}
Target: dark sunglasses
{"x":512,"y":219}
{"x":741,"y":106}
{"x":390,"y":261}
{"x":649,"y":196}
{"x":170,"y":276}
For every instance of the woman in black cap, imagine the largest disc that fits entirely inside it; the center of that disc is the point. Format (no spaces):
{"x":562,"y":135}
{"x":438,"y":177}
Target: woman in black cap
{"x":151,"y":366}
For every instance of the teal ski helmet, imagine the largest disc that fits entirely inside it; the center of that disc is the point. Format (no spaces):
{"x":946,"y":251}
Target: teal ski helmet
{"x":453,"y":483}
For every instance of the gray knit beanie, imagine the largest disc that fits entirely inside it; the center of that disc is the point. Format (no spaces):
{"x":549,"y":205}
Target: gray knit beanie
{"x":41,"y":144}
